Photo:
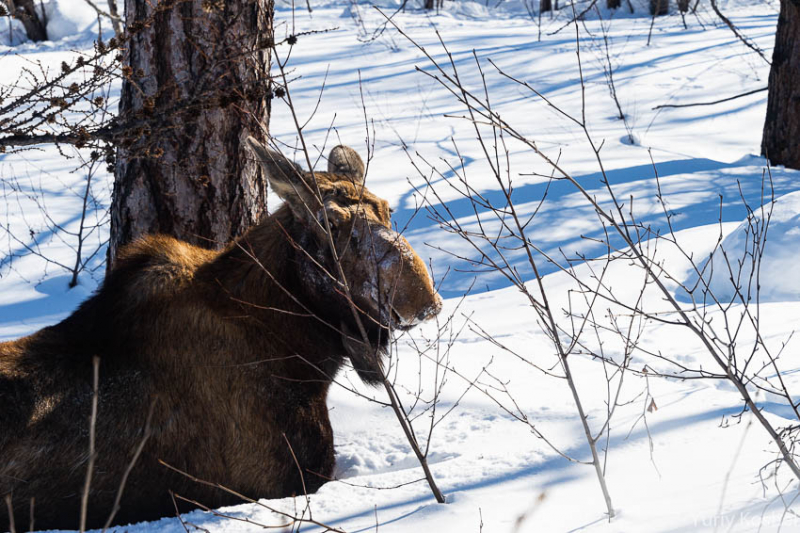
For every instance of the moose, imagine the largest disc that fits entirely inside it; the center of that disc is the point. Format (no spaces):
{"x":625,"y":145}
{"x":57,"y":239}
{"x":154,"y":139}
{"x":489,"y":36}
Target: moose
{"x":223,"y":359}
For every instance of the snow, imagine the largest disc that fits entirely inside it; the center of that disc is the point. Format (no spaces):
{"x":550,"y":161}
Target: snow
{"x":12,"y":32}
{"x":693,"y":462}
{"x":66,"y":19}
{"x":770,"y":237}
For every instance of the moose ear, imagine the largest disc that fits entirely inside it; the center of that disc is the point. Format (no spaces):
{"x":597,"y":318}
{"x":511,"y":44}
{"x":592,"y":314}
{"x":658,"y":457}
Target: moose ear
{"x":285,"y":177}
{"x":345,"y":161}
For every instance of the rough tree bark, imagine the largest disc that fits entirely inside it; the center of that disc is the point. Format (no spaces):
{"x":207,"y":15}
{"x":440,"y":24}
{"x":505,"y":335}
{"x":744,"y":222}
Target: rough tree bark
{"x":197,"y":76}
{"x":781,"y":140}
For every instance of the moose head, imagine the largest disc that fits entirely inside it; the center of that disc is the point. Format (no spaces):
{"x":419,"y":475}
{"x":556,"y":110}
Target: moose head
{"x":350,"y":259}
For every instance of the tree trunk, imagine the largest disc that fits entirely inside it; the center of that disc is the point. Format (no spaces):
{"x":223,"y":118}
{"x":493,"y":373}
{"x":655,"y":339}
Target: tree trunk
{"x":613,"y":4}
{"x":659,"y":7}
{"x":197,"y":86}
{"x":545,"y":6}
{"x":35,"y":24}
{"x":781,"y":141}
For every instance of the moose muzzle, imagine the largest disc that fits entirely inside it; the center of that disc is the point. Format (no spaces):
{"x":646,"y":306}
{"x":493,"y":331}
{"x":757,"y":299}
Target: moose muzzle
{"x":400,"y":284}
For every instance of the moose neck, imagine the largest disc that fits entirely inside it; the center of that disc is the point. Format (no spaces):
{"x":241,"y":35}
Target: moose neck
{"x":258,"y":271}
{"x":261,"y":280}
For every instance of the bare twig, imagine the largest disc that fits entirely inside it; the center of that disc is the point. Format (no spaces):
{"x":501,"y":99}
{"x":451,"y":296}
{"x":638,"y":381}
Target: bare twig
{"x":136,"y":453}
{"x":250,"y":500}
{"x":10,"y":507}
{"x":112,"y":15}
{"x":739,"y":35}
{"x":341,"y":278}
{"x":715,"y":102}
{"x":92,"y":425}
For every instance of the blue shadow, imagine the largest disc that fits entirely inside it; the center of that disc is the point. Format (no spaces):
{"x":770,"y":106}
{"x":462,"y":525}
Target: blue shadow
{"x":720,"y":193}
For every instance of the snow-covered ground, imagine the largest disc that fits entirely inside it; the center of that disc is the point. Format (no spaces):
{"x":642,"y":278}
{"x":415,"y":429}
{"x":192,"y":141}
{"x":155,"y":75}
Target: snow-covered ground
{"x":689,"y":462}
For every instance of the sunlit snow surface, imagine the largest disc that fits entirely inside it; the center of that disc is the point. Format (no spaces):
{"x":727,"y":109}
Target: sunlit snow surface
{"x":695,"y":465}
{"x":772,"y":233}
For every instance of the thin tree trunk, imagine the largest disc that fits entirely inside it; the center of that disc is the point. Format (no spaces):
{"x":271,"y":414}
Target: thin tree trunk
{"x":781,"y":140}
{"x":33,"y":21}
{"x":613,"y":4}
{"x":545,"y":6}
{"x":115,"y":19}
{"x":197,"y":71}
{"x":659,"y":7}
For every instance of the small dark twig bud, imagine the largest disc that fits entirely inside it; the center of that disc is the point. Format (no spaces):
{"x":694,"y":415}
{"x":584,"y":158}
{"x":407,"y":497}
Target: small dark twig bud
{"x":279,"y":92}
{"x":292,"y":40}
{"x":83,"y":138}
{"x":149,"y":104}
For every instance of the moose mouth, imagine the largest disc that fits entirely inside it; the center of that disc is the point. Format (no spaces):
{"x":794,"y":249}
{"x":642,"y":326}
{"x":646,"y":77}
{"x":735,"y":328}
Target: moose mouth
{"x":384,"y":314}
{"x":392,"y":318}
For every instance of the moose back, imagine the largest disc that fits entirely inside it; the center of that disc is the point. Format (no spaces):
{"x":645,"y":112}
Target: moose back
{"x":229,"y":355}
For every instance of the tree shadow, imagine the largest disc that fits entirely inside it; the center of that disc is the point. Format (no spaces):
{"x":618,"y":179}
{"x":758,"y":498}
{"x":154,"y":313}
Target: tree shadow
{"x":697,"y":192}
